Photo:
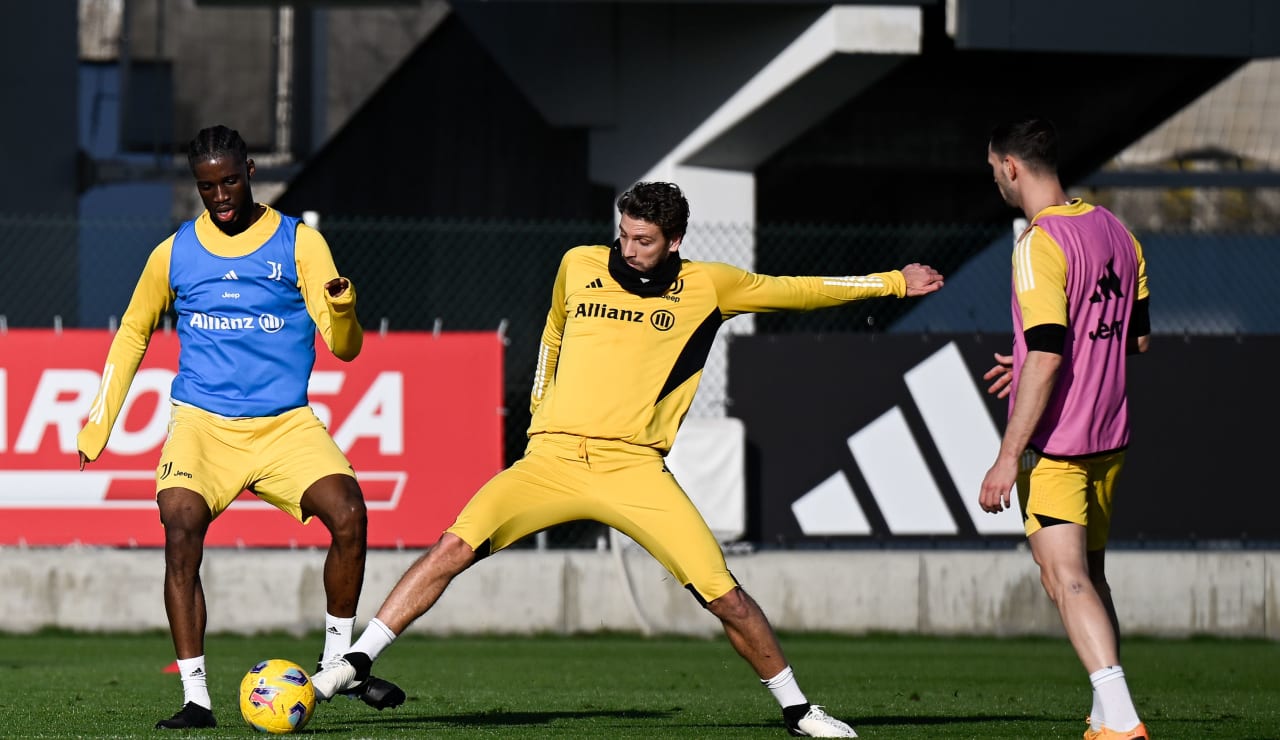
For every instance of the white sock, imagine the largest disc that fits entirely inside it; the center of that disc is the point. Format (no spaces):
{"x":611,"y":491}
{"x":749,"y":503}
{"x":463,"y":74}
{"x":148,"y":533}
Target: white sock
{"x":375,"y":638}
{"x":785,"y":689}
{"x":195,"y":681}
{"x":1095,"y":714}
{"x":337,"y":636}
{"x":1113,"y":694}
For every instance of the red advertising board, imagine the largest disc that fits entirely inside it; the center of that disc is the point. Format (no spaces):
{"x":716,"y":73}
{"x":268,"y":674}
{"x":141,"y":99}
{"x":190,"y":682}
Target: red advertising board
{"x":418,"y":415}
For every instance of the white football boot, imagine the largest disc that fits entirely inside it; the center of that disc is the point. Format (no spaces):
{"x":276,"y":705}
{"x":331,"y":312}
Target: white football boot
{"x":817,"y":723}
{"x":336,"y":676}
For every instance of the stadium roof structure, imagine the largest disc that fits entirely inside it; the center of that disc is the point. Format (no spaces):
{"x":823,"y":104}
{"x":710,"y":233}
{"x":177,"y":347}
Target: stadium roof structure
{"x":854,"y":112}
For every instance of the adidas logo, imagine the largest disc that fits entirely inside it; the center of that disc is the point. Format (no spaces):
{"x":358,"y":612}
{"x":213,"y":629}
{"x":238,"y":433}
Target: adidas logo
{"x":597,"y":283}
{"x":333,"y":631}
{"x":895,"y":470}
{"x":231,"y":275}
{"x":197,"y":673}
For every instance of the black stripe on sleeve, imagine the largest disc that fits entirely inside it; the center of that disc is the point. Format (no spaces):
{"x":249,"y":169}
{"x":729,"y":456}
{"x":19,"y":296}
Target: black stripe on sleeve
{"x":1046,"y":338}
{"x":1140,"y":321}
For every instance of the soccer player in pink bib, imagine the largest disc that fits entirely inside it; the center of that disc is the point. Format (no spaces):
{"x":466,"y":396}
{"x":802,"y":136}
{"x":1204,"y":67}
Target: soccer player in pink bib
{"x":1080,"y":308}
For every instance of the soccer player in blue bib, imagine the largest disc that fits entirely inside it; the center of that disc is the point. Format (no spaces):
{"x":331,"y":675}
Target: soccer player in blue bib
{"x":250,"y":287}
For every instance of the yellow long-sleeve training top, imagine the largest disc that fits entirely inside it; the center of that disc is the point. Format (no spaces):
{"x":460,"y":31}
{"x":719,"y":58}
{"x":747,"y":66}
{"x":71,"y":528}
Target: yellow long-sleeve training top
{"x":154,"y":296}
{"x":614,"y":365}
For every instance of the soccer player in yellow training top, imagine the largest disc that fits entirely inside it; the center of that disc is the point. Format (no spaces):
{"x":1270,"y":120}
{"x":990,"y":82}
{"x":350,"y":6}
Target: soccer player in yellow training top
{"x":250,"y":286}
{"x":1079,"y":309}
{"x":622,"y":353}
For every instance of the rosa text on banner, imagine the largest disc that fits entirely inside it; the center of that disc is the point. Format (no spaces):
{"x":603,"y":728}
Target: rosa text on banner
{"x":419,"y":417}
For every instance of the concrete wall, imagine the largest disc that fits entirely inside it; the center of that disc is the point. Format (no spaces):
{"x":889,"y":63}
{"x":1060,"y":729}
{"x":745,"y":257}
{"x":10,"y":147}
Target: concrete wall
{"x":1172,"y":594}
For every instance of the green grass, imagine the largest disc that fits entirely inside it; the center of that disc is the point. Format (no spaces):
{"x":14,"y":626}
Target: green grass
{"x":76,"y":685}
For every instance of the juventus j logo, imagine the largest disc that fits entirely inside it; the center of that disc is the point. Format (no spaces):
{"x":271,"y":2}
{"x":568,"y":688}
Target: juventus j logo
{"x":165,"y":470}
{"x":277,"y":270}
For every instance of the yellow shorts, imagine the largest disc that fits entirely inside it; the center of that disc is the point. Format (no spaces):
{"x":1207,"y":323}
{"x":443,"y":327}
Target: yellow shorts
{"x":564,"y":478}
{"x":1078,"y":490}
{"x":275,"y":457}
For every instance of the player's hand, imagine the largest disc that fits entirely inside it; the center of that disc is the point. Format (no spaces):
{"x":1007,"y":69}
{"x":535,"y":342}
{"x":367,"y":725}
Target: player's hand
{"x":337,"y":286}
{"x":996,"y":486}
{"x":84,"y":459}
{"x":1001,"y":376}
{"x":921,"y":279}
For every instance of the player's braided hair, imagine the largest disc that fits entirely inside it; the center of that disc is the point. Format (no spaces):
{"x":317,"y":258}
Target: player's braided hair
{"x":659,"y":203}
{"x":216,"y":141}
{"x":1032,"y":139}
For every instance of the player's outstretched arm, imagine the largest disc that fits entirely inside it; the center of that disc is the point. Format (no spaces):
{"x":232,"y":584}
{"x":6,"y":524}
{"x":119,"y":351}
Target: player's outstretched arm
{"x":921,"y":279}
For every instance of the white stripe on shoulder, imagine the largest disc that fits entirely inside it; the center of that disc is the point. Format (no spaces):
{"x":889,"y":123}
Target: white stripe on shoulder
{"x":1024,"y":278}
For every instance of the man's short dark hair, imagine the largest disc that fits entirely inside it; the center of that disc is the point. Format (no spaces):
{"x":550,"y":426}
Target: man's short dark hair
{"x":1033,"y":139}
{"x":216,"y":141}
{"x":659,"y":203}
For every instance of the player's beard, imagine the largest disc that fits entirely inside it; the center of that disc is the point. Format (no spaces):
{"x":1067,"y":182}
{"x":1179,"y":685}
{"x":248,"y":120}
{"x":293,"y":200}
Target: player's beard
{"x":1007,"y":194}
{"x":649,"y":284}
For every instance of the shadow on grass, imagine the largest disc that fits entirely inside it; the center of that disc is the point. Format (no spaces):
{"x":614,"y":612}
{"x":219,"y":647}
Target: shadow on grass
{"x":487,"y":719}
{"x":668,"y":721}
{"x":539,"y":719}
{"x":900,"y":721}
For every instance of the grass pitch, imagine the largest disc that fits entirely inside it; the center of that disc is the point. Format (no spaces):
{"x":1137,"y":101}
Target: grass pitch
{"x":73,"y":685}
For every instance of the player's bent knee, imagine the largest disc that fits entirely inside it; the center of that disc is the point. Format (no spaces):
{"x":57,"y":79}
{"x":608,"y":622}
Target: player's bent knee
{"x":345,"y":519}
{"x":731,"y":607}
{"x":453,"y":554}
{"x":184,"y":533}
{"x":341,"y":508}
{"x":351,"y":514}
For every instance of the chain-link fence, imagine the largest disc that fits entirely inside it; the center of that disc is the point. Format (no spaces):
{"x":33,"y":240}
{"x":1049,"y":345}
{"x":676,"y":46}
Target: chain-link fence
{"x":483,"y":275}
